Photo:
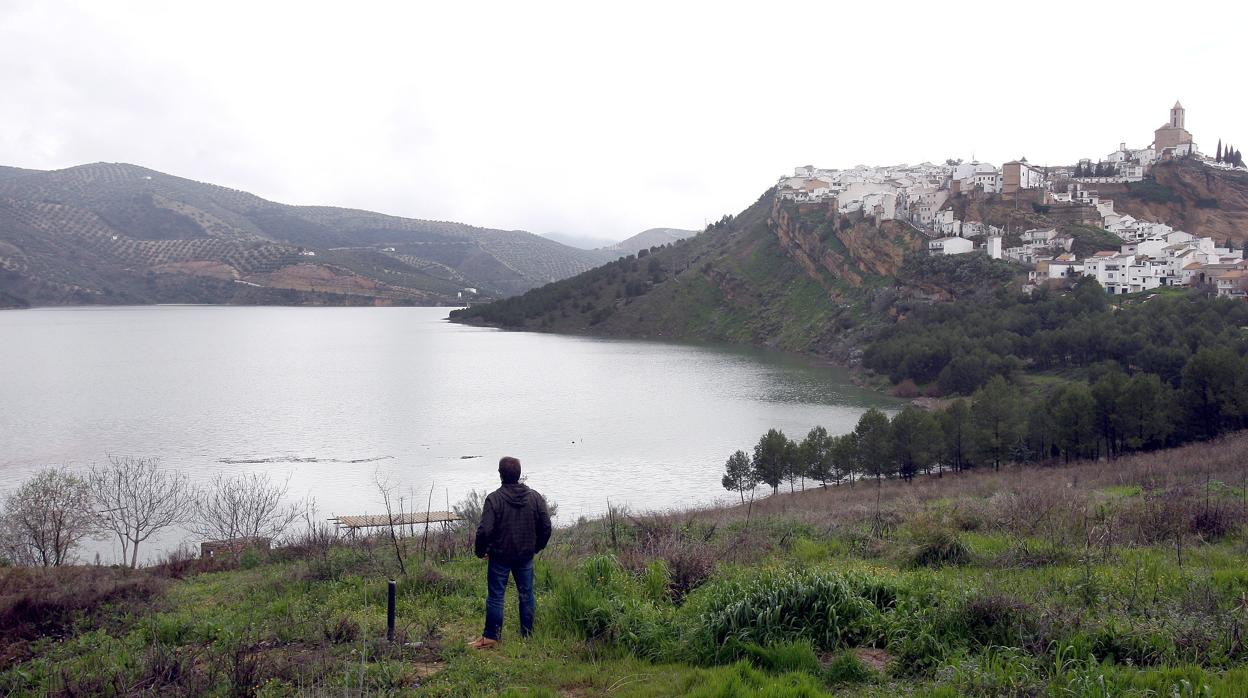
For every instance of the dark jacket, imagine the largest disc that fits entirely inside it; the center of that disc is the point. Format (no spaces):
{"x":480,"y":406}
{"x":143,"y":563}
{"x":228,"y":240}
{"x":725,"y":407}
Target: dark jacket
{"x":514,"y":524}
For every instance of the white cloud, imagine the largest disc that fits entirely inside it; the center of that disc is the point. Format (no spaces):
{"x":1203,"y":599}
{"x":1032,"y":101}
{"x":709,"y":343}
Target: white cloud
{"x":585,"y":118}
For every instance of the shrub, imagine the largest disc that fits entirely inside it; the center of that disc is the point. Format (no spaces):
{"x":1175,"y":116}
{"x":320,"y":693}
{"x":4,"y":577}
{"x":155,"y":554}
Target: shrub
{"x":689,"y":566}
{"x":906,"y":389}
{"x":1031,"y":555}
{"x":998,"y":619}
{"x":49,"y":602}
{"x":1213,"y":523}
{"x":845,"y":668}
{"x":939,"y":547}
{"x":343,"y":630}
{"x":250,"y":559}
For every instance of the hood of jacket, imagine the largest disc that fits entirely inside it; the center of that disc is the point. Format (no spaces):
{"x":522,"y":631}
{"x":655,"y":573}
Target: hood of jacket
{"x":516,"y":494}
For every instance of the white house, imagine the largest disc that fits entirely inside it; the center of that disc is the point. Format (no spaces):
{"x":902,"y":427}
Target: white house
{"x":994,"y":246}
{"x":948,"y":246}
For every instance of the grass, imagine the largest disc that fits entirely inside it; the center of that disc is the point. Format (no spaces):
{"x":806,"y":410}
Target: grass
{"x":1090,"y":579}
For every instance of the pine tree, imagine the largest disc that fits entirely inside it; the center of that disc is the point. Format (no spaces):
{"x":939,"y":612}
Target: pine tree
{"x":1219,"y":155}
{"x":739,"y":474}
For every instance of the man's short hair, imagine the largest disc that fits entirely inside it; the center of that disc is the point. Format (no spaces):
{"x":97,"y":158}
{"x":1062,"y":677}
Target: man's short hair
{"x":509,"y":470}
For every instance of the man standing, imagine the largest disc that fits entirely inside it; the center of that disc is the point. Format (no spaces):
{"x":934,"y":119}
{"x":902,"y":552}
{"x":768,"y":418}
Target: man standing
{"x":514,"y":527}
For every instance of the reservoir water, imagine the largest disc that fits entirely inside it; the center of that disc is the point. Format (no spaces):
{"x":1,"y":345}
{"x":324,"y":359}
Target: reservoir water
{"x":330,"y":399}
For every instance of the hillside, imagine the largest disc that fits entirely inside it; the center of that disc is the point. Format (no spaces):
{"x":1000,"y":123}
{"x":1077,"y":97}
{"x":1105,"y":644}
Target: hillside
{"x":1017,"y":214}
{"x":118,"y":233}
{"x":800,"y":278}
{"x":1093,"y":578}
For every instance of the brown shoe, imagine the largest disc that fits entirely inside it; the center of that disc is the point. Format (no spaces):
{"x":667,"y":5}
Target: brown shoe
{"x":483,"y":643}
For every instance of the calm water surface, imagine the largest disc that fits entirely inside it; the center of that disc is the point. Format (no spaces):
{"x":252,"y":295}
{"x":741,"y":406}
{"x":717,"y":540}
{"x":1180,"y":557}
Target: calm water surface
{"x":332,"y":398}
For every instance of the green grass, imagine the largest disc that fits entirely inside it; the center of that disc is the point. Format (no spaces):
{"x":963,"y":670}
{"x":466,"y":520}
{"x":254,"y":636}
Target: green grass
{"x":756,"y":629}
{"x":945,"y":599}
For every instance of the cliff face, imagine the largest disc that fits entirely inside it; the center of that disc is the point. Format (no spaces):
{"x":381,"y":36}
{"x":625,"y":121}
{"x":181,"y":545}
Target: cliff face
{"x":1192,"y":197}
{"x":824,"y":243}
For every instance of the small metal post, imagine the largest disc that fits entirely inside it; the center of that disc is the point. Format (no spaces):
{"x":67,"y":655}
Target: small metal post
{"x":390,"y":610}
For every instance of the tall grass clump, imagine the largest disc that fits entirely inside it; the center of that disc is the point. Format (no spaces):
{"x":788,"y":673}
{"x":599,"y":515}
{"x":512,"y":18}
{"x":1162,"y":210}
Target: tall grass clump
{"x":601,"y":602}
{"x":938,"y":547}
{"x":774,"y":607}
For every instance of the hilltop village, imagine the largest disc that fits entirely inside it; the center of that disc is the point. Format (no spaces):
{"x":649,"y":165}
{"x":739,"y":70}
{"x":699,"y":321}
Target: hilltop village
{"x":1152,"y":253}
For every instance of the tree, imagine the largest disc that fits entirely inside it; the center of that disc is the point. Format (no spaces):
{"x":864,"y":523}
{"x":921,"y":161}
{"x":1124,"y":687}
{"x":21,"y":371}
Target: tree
{"x":1218,"y":158}
{"x":1107,"y":391}
{"x":739,"y":474}
{"x":815,"y":455}
{"x":965,"y":373}
{"x":916,"y":441}
{"x":1146,"y":411}
{"x":794,"y":469}
{"x":874,"y":440}
{"x":46,"y":518}
{"x":1073,"y":411}
{"x":998,"y":419}
{"x":243,"y":506}
{"x":1211,"y":391}
{"x":135,"y":497}
{"x":844,"y":453}
{"x":772,"y":455}
{"x":955,"y":423}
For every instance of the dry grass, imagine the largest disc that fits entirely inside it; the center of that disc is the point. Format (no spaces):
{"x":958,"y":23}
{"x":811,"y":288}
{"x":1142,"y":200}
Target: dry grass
{"x":39,"y":603}
{"x":1018,"y":497}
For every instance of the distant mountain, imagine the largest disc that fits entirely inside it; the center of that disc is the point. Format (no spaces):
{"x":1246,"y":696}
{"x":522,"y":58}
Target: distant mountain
{"x":580,"y":242}
{"x":649,"y":238}
{"x":654,"y":237}
{"x":118,"y":233}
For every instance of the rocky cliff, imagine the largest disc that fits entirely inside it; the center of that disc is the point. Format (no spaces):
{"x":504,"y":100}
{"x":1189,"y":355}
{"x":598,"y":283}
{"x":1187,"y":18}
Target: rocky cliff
{"x":1190,"y":196}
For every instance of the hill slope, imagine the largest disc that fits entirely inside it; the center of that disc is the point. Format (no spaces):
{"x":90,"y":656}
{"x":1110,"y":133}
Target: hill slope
{"x":797,"y":278}
{"x":117,"y":233}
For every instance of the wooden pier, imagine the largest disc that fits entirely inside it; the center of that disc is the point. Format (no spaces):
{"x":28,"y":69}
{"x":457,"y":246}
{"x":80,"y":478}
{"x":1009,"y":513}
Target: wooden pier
{"x":354,"y":523}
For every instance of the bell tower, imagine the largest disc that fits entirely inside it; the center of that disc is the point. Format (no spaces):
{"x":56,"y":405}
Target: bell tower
{"x":1176,"y":116}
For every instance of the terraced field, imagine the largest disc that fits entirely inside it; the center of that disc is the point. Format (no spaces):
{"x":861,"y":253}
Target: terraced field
{"x":118,"y":233}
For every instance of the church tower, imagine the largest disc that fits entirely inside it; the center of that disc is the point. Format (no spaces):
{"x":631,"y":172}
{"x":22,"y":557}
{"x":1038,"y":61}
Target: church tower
{"x":1172,"y":139}
{"x":1176,"y":116}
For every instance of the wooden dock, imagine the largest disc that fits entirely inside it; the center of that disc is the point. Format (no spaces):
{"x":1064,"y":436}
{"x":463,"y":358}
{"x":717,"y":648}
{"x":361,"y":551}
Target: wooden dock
{"x":354,"y":523}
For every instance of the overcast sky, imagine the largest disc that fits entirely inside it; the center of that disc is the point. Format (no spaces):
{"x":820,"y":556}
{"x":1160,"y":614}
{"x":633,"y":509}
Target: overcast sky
{"x":595,"y":120}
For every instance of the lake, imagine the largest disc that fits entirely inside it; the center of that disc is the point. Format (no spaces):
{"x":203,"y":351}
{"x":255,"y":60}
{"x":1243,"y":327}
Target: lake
{"x":333,"y":398}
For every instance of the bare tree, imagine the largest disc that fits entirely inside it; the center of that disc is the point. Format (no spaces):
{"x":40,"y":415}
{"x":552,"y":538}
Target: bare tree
{"x":393,"y":517}
{"x":45,"y":518}
{"x":247,"y":505}
{"x":135,"y":497}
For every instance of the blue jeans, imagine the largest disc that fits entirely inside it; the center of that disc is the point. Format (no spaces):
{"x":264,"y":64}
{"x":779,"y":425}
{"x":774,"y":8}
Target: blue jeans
{"x":496,"y":581}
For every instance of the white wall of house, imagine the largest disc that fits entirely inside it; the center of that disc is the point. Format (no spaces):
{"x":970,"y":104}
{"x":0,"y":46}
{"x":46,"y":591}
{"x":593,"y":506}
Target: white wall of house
{"x":951,"y":245}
